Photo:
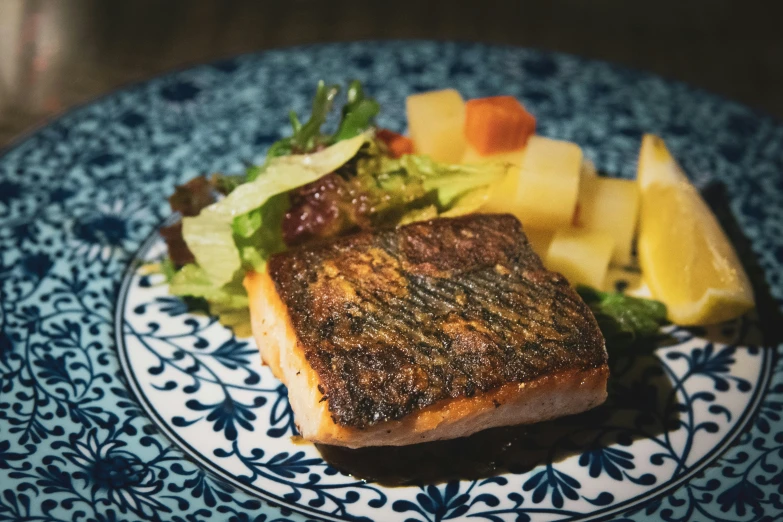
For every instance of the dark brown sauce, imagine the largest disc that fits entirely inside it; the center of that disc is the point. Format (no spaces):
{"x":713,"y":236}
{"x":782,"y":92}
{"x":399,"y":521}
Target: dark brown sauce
{"x":639,"y":395}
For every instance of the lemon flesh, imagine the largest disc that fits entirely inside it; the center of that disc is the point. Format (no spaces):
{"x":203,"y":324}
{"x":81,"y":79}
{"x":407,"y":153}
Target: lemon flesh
{"x":686,"y":258}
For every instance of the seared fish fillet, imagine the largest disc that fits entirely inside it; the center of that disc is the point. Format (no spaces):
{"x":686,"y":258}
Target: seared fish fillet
{"x":434,"y":330}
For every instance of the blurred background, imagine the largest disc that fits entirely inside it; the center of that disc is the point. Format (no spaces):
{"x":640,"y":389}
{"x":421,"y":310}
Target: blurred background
{"x":55,"y":54}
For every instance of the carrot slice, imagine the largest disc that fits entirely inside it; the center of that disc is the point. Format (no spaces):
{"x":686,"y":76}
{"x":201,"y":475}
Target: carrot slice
{"x":397,"y":143}
{"x":497,"y":124}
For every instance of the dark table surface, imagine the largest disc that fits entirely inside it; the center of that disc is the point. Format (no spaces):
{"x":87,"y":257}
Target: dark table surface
{"x":55,"y":54}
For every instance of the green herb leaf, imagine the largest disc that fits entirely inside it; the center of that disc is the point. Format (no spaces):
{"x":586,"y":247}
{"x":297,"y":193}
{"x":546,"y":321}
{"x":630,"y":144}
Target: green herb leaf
{"x":226,"y":183}
{"x":358,"y":113}
{"x":357,"y":116}
{"x":279,"y":148}
{"x":305,"y":136}
{"x":624,"y":320}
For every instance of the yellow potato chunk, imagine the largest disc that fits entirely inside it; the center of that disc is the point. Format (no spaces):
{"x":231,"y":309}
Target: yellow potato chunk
{"x":544,"y":191}
{"x":539,"y":240}
{"x":436,"y":122}
{"x":610,"y":205}
{"x":581,"y":256}
{"x":588,"y":169}
{"x":513,"y":157}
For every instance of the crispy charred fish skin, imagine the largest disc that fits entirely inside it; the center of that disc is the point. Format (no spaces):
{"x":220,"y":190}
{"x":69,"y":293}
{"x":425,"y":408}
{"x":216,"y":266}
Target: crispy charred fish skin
{"x":395,"y":321}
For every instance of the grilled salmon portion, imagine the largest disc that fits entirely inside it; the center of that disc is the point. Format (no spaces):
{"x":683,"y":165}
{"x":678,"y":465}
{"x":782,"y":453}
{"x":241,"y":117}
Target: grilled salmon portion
{"x":430,"y":331}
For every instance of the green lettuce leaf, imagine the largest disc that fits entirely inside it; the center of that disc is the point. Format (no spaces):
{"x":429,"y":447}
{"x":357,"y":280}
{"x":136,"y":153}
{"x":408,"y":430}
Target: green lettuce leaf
{"x":419,"y":214}
{"x":467,"y":202}
{"x":258,"y":234}
{"x":192,"y":280}
{"x":210,"y":235}
{"x":228,"y":302}
{"x":404,"y":190}
{"x":451,"y":181}
{"x":358,"y":113}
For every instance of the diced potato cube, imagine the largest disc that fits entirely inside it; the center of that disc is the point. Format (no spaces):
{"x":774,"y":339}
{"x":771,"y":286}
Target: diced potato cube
{"x":610,"y":205}
{"x":545,"y":190}
{"x":501,"y":195}
{"x":472,"y":156}
{"x":588,"y":169}
{"x":539,"y":240}
{"x":581,"y":256}
{"x":436,"y":123}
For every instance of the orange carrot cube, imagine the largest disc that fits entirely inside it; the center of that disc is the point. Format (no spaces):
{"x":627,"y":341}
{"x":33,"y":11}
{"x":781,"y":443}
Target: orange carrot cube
{"x":497,"y":124}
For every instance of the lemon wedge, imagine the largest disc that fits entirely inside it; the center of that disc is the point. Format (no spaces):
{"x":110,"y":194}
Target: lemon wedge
{"x":686,"y":258}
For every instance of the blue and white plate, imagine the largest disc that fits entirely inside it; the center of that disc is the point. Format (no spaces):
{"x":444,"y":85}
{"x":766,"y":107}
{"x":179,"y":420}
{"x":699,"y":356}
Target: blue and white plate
{"x":116,"y":403}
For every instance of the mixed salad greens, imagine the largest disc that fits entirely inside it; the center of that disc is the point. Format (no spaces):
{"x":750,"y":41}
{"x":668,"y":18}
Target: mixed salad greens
{"x":313,"y":185}
{"x":317,"y":184}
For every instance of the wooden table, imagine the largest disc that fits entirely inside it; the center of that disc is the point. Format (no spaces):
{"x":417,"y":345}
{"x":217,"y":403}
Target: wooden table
{"x":55,"y":54}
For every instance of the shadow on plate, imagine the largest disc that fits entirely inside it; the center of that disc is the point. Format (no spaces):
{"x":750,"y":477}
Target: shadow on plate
{"x":641,"y":404}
